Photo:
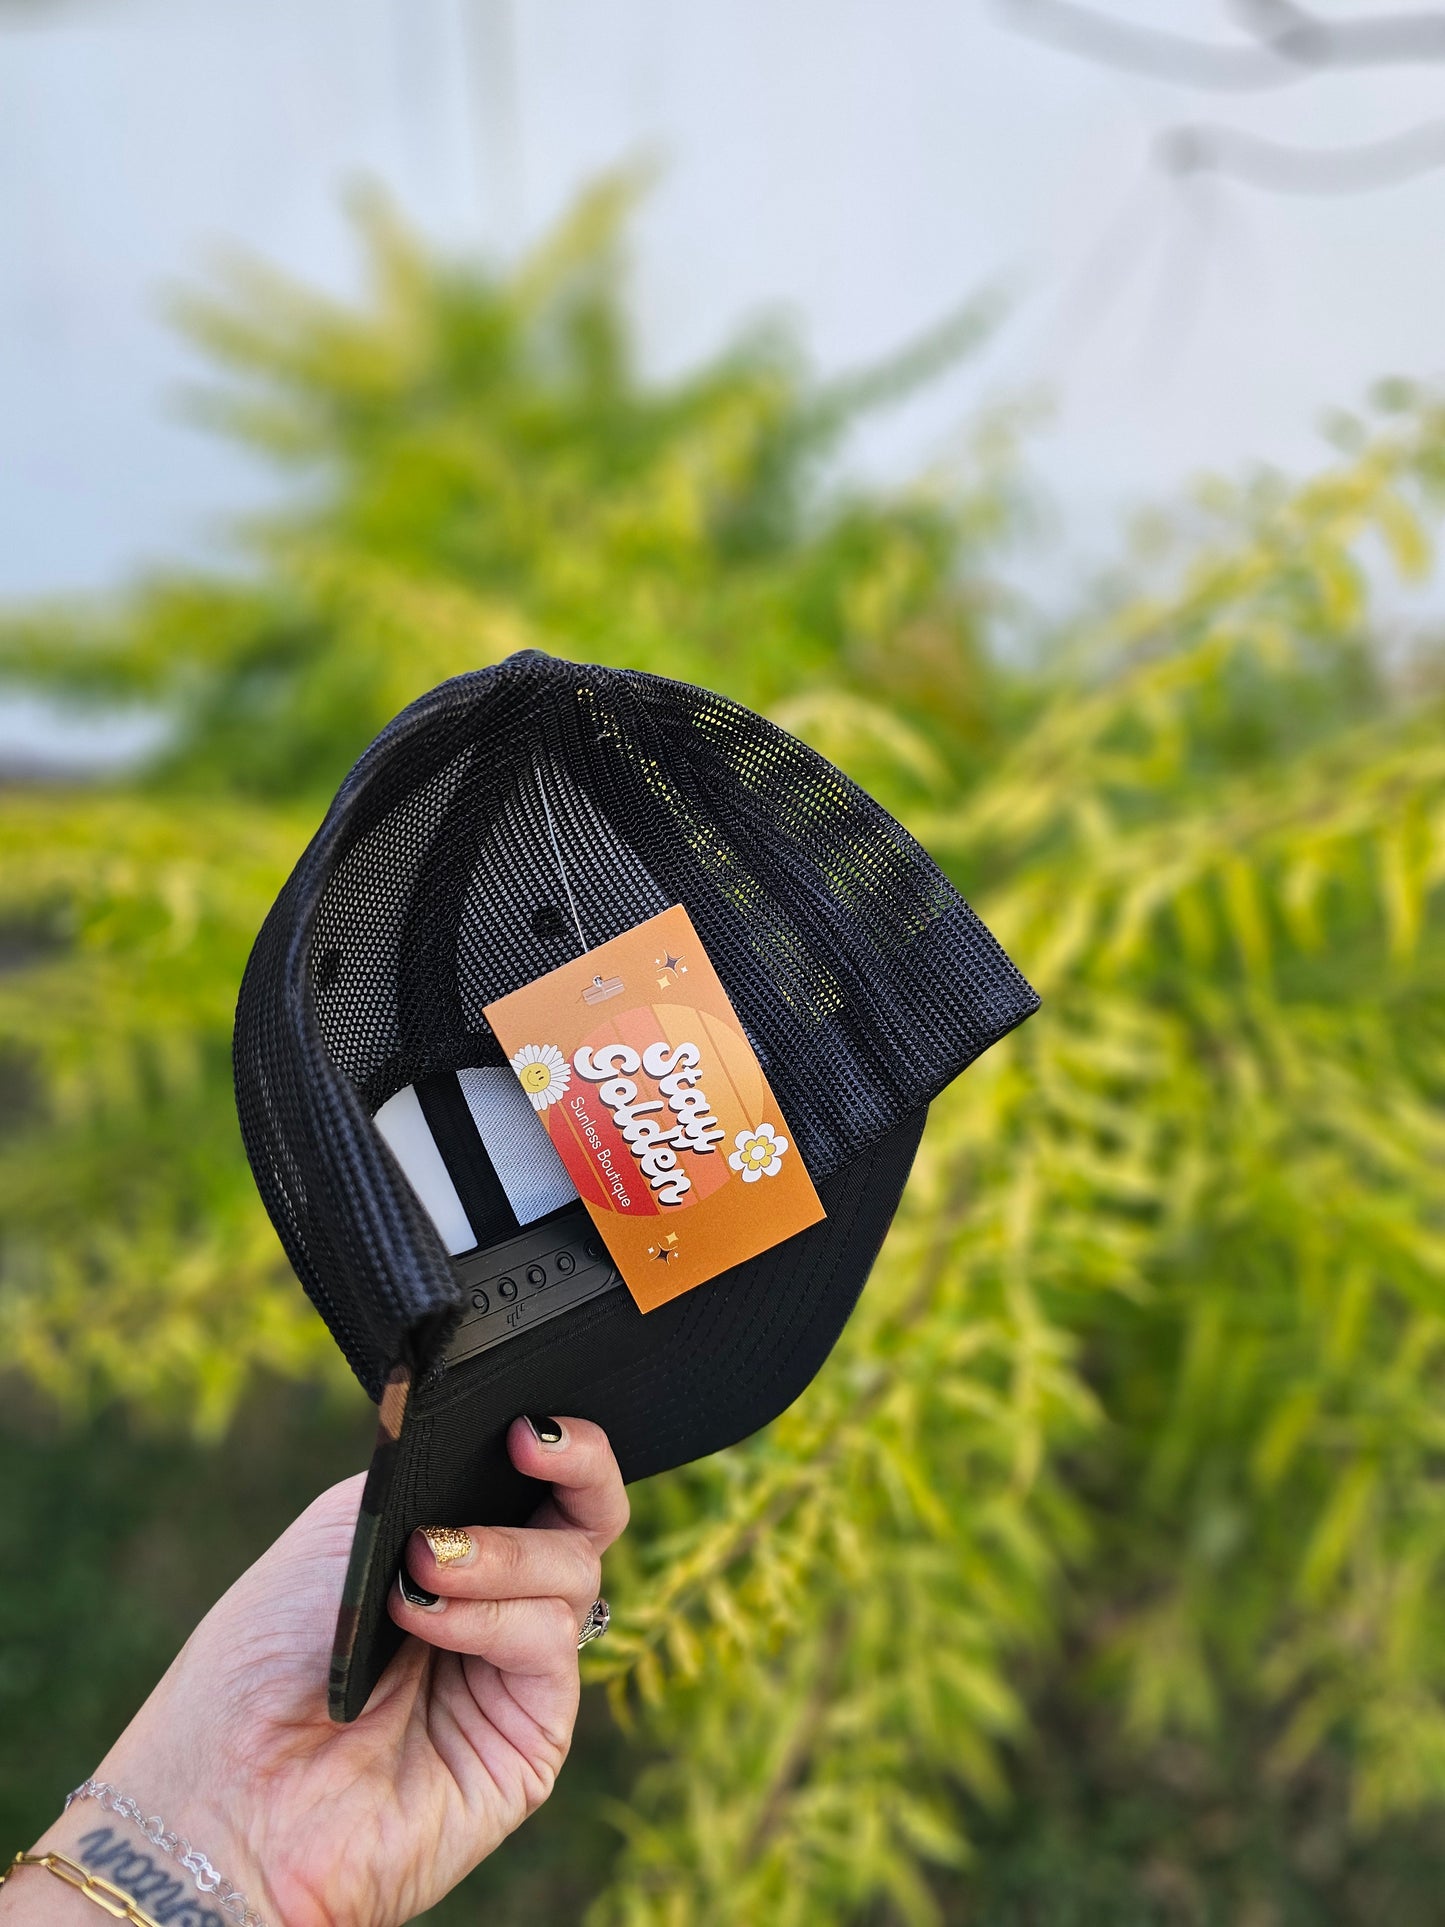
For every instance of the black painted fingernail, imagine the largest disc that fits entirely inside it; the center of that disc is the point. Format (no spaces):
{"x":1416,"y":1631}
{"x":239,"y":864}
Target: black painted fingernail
{"x":415,"y":1595}
{"x":546,"y":1431}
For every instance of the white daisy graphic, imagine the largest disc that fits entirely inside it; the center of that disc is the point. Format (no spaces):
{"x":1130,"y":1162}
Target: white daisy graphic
{"x":543,"y":1072}
{"x":759,"y":1153}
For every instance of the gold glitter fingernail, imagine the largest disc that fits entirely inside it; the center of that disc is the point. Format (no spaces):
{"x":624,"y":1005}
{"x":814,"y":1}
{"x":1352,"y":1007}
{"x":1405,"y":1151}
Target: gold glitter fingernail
{"x":450,"y":1545}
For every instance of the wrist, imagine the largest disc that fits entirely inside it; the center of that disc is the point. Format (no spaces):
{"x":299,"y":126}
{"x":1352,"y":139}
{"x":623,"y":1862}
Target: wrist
{"x":193,"y":1869}
{"x":90,"y":1863}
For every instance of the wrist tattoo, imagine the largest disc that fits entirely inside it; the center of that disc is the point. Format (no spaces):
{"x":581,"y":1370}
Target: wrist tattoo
{"x":170,"y":1901}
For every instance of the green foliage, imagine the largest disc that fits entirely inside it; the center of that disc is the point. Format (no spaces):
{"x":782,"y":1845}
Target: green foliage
{"x":1133,"y":1447}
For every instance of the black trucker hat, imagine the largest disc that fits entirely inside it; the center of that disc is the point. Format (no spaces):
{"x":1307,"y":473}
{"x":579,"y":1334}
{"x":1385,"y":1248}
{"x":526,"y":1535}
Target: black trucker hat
{"x":501,"y":825}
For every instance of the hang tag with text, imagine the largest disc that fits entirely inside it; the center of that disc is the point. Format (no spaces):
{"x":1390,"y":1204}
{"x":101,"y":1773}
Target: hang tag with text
{"x":636,"y":1064}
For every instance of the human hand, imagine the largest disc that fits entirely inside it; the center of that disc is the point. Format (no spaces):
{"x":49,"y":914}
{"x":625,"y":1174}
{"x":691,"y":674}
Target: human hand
{"x":367,"y":1825}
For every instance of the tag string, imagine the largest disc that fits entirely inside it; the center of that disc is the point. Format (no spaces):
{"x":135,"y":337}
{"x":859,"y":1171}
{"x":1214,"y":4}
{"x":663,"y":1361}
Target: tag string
{"x":557,"y":852}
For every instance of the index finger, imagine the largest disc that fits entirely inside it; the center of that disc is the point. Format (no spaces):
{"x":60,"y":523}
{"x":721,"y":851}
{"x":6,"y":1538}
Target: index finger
{"x":574,"y":1458}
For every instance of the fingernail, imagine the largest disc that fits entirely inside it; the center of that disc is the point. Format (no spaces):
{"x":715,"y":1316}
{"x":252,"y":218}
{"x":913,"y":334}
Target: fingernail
{"x":450,"y":1545}
{"x":546,"y":1431}
{"x":415,"y":1595}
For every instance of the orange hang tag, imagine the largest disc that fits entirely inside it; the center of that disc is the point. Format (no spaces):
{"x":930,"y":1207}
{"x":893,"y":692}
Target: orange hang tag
{"x":638,"y":1067}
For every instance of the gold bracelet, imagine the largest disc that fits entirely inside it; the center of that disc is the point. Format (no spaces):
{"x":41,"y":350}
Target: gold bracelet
{"x":116,"y":1902}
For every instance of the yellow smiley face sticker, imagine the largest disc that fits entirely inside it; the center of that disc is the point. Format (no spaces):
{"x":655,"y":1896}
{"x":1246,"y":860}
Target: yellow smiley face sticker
{"x":543,"y":1073}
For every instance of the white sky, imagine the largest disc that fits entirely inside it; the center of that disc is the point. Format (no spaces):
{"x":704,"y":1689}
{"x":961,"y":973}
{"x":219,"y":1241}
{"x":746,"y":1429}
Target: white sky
{"x":862,"y":165}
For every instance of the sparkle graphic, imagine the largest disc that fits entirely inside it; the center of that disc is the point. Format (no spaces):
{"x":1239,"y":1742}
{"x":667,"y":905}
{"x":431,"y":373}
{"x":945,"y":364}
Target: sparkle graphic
{"x":665,"y":1250}
{"x":670,"y":967}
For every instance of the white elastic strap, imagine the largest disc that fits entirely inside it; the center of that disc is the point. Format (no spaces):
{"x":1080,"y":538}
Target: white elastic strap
{"x":409,"y":1137}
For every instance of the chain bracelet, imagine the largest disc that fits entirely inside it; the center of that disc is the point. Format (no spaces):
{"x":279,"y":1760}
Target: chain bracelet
{"x":111,"y":1899}
{"x":228,"y":1898}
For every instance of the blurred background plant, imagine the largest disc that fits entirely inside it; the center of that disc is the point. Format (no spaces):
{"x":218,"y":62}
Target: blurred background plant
{"x":1093,"y":1581}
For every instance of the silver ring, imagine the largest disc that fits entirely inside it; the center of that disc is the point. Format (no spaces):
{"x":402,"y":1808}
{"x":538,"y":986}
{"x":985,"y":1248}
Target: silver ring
{"x":595,"y":1624}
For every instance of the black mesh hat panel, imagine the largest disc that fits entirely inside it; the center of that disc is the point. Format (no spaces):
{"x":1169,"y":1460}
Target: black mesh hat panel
{"x":437,"y":883}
